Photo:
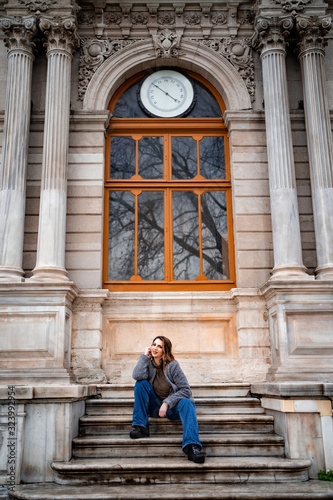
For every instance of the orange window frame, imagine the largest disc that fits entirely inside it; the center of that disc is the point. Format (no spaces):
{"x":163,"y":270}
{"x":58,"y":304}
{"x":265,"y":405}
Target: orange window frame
{"x":168,"y":128}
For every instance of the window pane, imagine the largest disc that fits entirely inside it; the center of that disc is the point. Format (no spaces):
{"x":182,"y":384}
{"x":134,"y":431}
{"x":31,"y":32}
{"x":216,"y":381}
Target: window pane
{"x":122,"y":158}
{"x":121,"y":235}
{"x":151,"y":235}
{"x":212,"y":159}
{"x":151,"y":158}
{"x":184,"y":158}
{"x":206,"y":105}
{"x":186,"y":257}
{"x":215,"y":235}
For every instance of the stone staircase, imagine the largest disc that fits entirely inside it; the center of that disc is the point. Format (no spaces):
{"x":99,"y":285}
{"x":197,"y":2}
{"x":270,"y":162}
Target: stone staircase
{"x":244,"y":458}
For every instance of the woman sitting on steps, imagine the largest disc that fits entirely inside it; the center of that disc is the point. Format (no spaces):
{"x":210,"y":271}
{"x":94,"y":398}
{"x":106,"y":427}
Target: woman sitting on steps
{"x":162,"y":390}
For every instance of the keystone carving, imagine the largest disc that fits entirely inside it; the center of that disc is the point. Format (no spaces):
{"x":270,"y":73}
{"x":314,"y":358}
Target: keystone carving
{"x":238,"y":52}
{"x":312,"y":31}
{"x":60,"y":34}
{"x":93,"y":53}
{"x":166,"y":43}
{"x":19,"y":33}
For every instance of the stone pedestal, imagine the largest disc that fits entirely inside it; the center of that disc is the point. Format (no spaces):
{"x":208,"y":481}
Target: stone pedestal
{"x":319,"y":134}
{"x":46,"y":421}
{"x":303,"y":416}
{"x":19,"y":34}
{"x":61,"y":41}
{"x":301,"y":330}
{"x":283,"y":196}
{"x":35,"y":325}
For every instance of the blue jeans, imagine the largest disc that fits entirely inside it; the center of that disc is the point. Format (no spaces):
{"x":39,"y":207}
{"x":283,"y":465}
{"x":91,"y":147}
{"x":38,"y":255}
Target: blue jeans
{"x":147,"y":404}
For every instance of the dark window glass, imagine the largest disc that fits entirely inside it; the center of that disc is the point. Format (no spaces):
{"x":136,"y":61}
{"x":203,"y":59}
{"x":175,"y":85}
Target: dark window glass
{"x":121,"y":235}
{"x":186,"y":257}
{"x":151,"y":235}
{"x":184,"y":158}
{"x":206,"y":106}
{"x":151,"y":157}
{"x":122,"y":158}
{"x":215,"y":235}
{"x":212,"y":160}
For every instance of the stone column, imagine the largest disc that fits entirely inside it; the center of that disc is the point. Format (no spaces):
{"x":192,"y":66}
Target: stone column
{"x":19,"y":34}
{"x":61,"y":41}
{"x":270,"y":41}
{"x":311,"y":31}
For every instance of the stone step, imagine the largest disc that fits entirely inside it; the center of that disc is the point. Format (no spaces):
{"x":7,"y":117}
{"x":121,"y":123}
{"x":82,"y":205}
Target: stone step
{"x":309,"y":490}
{"x":102,"y":424}
{"x":180,"y":470}
{"x":158,"y":446}
{"x":199,"y":390}
{"x":213,"y":406}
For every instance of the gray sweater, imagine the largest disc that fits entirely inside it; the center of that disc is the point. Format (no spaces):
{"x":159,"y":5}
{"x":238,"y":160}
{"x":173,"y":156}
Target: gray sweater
{"x":174,"y":375}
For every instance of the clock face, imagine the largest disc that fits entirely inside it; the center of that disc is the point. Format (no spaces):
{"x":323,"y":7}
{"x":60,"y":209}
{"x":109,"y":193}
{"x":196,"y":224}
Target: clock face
{"x":166,"y":94}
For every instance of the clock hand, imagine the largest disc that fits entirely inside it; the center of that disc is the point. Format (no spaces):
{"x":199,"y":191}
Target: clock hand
{"x":166,"y":93}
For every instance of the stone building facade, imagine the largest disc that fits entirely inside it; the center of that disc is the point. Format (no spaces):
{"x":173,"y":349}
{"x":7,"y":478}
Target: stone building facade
{"x":65,"y":326}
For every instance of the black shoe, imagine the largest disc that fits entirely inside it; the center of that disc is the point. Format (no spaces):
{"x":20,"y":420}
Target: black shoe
{"x":139,"y":432}
{"x":194,"y":454}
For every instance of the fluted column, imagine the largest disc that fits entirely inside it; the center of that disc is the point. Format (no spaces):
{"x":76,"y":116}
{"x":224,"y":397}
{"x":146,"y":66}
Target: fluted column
{"x":270,"y":41}
{"x":311,"y":31}
{"x":60,"y":42}
{"x":19,"y":34}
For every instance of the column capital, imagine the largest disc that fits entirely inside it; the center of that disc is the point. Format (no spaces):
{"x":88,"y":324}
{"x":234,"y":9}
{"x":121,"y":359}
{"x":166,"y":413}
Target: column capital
{"x":19,"y":33}
{"x":271,"y":32}
{"x":60,"y":34}
{"x":312,"y":31}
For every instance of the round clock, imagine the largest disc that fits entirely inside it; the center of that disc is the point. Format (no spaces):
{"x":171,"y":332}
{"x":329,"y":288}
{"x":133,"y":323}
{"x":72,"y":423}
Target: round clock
{"x":166,"y":94}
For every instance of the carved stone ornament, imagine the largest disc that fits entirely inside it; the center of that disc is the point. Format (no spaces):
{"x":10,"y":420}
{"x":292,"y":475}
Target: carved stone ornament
{"x":192,"y":18}
{"x":86,"y":17}
{"x":166,"y":44}
{"x":112,"y":18}
{"x":139,"y":18}
{"x":219,"y":18}
{"x":245,"y":17}
{"x":312,"y":31}
{"x":292,"y":5}
{"x":60,"y":34}
{"x":239,"y":53}
{"x":272,"y":32}
{"x":38,"y":5}
{"x":166,"y":18}
{"x":19,"y":32}
{"x":93,"y":53}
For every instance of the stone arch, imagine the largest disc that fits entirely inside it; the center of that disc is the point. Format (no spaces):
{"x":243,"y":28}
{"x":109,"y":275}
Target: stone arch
{"x":141,"y":55}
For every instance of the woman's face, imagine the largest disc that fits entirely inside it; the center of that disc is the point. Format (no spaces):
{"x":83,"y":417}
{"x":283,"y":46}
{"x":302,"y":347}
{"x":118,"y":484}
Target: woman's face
{"x":157,"y":350}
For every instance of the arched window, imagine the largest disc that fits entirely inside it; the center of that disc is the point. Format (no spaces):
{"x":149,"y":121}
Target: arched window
{"x":168,"y":215}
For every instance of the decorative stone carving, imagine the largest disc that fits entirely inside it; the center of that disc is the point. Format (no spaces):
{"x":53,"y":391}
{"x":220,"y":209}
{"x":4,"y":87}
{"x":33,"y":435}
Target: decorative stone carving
{"x":86,"y":17}
{"x":238,"y":51}
{"x":245,"y":17}
{"x":60,"y":34}
{"x":312,"y":31}
{"x":166,"y":18}
{"x":292,"y":5}
{"x":139,"y":18}
{"x":219,"y":18}
{"x":19,"y":33}
{"x":167,"y":43}
{"x":272,"y":32}
{"x":93,"y":54}
{"x":192,"y":18}
{"x":36,"y":6}
{"x":112,"y":17}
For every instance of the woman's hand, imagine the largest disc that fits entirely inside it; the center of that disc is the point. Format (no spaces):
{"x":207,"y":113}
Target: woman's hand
{"x":148,"y":351}
{"x":163,"y":410}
